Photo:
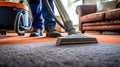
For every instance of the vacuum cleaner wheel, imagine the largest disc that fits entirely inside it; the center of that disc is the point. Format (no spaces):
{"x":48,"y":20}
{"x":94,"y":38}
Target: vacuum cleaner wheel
{"x":3,"y":32}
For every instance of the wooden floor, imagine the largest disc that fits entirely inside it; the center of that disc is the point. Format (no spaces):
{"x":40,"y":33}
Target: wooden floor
{"x":13,"y":38}
{"x":106,"y":37}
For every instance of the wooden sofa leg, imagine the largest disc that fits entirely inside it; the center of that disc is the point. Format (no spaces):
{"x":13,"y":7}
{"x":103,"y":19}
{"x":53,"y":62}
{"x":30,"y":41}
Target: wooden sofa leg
{"x":118,"y":32}
{"x":101,"y":32}
{"x":82,"y":32}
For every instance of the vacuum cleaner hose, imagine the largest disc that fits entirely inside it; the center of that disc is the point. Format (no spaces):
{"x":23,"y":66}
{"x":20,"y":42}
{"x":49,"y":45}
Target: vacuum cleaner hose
{"x":21,"y":25}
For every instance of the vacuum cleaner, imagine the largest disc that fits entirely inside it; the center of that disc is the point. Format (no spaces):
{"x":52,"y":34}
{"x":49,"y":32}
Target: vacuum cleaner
{"x":73,"y":36}
{"x":14,"y":16}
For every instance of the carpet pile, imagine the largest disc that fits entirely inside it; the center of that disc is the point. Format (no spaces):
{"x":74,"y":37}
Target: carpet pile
{"x":46,"y":54}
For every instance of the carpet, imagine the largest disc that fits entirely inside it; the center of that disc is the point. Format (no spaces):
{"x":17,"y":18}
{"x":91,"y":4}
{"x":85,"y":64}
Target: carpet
{"x":46,"y":54}
{"x":13,"y":38}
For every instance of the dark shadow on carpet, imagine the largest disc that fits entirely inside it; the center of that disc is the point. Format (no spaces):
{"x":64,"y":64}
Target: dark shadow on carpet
{"x":48,"y":55}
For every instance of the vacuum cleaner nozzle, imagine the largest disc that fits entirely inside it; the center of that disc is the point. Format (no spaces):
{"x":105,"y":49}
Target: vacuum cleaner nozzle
{"x":75,"y":39}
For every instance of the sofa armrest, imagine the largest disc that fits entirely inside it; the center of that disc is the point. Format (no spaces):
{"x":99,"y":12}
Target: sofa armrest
{"x":85,"y":9}
{"x":118,"y":4}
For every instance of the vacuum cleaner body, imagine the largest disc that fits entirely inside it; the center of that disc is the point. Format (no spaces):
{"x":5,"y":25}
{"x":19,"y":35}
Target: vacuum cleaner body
{"x":14,"y":16}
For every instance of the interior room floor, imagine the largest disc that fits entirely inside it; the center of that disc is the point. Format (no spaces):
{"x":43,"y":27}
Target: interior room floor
{"x":25,"y":51}
{"x":13,"y":38}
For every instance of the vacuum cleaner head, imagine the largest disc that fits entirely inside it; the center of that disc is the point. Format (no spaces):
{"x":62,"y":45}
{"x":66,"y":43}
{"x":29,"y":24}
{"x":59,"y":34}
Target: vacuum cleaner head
{"x":75,"y":39}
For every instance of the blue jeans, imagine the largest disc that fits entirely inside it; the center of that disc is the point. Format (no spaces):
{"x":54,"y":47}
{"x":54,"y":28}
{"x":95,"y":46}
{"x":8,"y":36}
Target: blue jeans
{"x":41,"y":11}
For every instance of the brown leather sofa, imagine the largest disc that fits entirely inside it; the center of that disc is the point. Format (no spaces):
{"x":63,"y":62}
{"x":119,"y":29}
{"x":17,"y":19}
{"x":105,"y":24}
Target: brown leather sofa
{"x":91,"y":20}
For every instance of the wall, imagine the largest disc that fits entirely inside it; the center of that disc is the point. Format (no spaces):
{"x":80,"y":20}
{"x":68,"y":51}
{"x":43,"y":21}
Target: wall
{"x":90,"y":1}
{"x":71,"y":10}
{"x":94,"y":1}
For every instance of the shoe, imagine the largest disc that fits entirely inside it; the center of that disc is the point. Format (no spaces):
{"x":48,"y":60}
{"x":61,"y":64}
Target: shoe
{"x":51,"y":32}
{"x":36,"y":32}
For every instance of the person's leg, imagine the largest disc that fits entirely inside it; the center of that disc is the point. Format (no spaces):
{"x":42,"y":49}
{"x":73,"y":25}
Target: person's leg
{"x":49,"y":22}
{"x":37,"y":18}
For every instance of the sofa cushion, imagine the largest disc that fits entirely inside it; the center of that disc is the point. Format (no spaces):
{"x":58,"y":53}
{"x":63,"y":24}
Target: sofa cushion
{"x":102,"y":28}
{"x":112,"y":14}
{"x":92,"y":17}
{"x":111,"y":22}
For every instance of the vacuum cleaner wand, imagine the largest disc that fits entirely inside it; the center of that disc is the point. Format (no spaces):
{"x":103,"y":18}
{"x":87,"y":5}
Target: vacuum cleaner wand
{"x":73,"y":36}
{"x":65,"y":18}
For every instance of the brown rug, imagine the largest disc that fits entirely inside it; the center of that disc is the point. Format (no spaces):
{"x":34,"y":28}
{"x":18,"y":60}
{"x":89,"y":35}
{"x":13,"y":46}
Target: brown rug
{"x":115,"y":39}
{"x":13,"y":38}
